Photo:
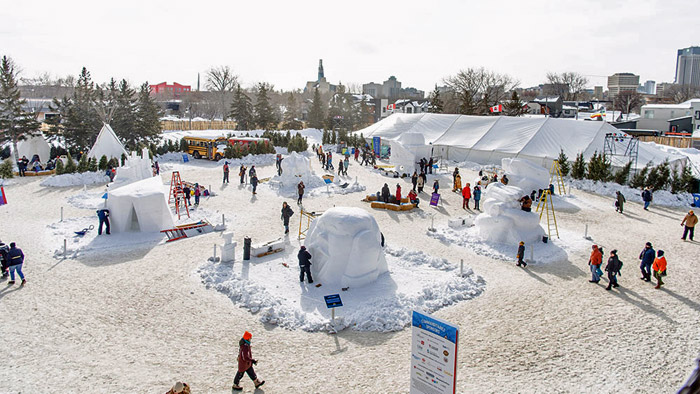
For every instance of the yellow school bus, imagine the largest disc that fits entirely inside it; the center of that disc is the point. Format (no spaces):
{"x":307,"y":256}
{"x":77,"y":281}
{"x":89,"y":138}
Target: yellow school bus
{"x":200,"y":147}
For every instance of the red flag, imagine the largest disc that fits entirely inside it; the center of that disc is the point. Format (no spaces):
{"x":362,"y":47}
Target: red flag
{"x":391,"y":106}
{"x":497,"y":108}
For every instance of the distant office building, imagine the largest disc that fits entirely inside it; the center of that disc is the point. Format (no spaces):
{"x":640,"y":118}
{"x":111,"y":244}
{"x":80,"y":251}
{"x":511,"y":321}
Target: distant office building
{"x":391,"y":89}
{"x":598,"y":92}
{"x":620,"y":82}
{"x":175,"y":88}
{"x":650,"y":87}
{"x":662,"y":88}
{"x":688,"y":66}
{"x":320,"y":83}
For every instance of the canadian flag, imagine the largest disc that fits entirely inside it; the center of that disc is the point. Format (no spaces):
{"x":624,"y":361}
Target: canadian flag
{"x":391,"y":106}
{"x":497,"y":108}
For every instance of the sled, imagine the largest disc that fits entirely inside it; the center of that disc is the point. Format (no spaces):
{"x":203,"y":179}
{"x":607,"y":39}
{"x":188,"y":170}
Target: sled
{"x":188,"y":230}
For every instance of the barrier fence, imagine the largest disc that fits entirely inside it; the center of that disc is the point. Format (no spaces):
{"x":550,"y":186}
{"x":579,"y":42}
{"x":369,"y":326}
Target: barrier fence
{"x":197,"y":125}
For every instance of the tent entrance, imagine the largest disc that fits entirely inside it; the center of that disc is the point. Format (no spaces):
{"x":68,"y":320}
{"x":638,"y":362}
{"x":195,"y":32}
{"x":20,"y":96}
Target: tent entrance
{"x":134,"y":222}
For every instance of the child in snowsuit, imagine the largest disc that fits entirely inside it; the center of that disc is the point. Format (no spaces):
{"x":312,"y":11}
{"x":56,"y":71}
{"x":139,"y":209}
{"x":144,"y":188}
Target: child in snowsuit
{"x":245,"y":363}
{"x":304,"y":264}
{"x":521,"y":255}
{"x":613,"y":268}
{"x":659,"y":268}
{"x":398,"y":194}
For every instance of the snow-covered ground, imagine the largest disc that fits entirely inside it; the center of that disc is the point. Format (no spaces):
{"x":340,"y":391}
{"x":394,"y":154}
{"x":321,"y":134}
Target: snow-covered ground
{"x":134,"y":314}
{"x":77,"y":179}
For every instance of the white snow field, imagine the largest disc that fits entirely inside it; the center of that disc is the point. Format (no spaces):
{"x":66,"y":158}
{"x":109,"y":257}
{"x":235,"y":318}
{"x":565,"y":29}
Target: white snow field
{"x":130,"y":313}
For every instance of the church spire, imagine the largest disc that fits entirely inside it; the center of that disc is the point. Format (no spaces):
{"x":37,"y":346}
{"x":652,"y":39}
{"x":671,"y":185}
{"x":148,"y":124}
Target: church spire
{"x":320,"y":69}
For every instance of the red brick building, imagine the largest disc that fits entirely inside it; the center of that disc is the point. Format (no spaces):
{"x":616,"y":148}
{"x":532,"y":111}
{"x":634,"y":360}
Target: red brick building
{"x":175,"y":88}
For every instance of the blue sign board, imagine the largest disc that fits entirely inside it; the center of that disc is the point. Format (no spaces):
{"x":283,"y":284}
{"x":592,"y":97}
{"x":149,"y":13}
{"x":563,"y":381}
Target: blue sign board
{"x":433,"y":355}
{"x":328,"y":180}
{"x":377,"y":145}
{"x":185,"y":159}
{"x":333,"y":301}
{"x":696,"y":200}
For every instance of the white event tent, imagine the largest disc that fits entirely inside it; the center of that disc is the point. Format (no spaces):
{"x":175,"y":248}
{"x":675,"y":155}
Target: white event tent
{"x":488,"y":139}
{"x":107,"y":144}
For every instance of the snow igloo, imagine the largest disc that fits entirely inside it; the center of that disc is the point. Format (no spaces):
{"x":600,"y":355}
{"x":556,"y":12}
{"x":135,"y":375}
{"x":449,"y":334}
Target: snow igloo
{"x":503,"y":221}
{"x":345,"y":245}
{"x":525,"y":174}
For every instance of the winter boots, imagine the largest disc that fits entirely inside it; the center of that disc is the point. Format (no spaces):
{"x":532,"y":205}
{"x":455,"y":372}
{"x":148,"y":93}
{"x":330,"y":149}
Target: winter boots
{"x":236,"y":387}
{"x":258,"y":383}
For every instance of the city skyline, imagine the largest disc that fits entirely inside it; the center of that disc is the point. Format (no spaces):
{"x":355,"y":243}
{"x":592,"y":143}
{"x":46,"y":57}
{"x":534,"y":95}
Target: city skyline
{"x":152,"y":42}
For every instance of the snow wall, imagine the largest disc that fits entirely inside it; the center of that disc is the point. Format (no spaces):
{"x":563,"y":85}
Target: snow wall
{"x":503,"y":221}
{"x":525,"y":174}
{"x":345,"y":245}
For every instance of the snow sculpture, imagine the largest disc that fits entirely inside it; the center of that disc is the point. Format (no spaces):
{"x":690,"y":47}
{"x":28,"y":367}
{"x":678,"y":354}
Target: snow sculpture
{"x":503,"y":221}
{"x":140,"y":207}
{"x":295,"y":168}
{"x":346,"y":247}
{"x":228,"y":249}
{"x":135,"y":169}
{"x":525,"y":174}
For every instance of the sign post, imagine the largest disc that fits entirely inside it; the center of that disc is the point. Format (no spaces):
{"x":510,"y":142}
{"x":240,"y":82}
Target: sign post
{"x":433,"y":355}
{"x":333,"y":301}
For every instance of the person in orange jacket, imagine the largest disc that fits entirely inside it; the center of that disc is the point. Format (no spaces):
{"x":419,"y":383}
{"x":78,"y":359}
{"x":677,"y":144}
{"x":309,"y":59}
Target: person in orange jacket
{"x":659,"y":268}
{"x":466,"y":195}
{"x":595,"y":261}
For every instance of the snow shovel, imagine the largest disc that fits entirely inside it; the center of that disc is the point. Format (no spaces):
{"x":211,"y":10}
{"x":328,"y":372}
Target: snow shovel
{"x":83,"y":231}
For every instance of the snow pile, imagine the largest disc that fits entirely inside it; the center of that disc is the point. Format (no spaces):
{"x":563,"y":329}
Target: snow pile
{"x":525,"y":174}
{"x":172,"y":157}
{"x":503,"y":221}
{"x":272,"y":290}
{"x":77,"y":179}
{"x":661,"y":197}
{"x":251,"y":160}
{"x":346,"y":245}
{"x":339,"y":186}
{"x":87,"y":200}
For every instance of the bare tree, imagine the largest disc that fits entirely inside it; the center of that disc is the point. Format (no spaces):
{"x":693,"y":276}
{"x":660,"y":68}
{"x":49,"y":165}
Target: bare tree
{"x":222,"y":81}
{"x":477,"y":89}
{"x":680,"y":93}
{"x":628,"y":100}
{"x":569,"y":85}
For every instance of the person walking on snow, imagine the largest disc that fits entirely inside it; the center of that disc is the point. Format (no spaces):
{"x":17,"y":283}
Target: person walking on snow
{"x":254,"y":183}
{"x":252,"y":172}
{"x":346,"y":165}
{"x":620,"y":202}
{"x":436,"y":186}
{"x":103,"y":215}
{"x":16,"y":258}
{"x":521,"y":254}
{"x":595,"y":261}
{"x":197,"y":193}
{"x":659,"y":268}
{"x":466,"y":195}
{"x":414,"y":180}
{"x":647,"y":259}
{"x":613,"y":268}
{"x":340,"y":167}
{"x":241,"y":173}
{"x":357,"y":153}
{"x":690,"y":220}
{"x":477,"y":196}
{"x":300,"y":191}
{"x":286,"y":214}
{"x":245,"y":363}
{"x":647,"y":197}
{"x":4,"y":259}
{"x":225,"y":172}
{"x":304,"y":264}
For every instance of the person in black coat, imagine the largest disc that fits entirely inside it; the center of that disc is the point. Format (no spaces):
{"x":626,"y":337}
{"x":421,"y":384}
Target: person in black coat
{"x":4,"y":259}
{"x":613,"y":268}
{"x":385,"y":193}
{"x":521,"y":254}
{"x":286,"y":214}
{"x":304,"y":264}
{"x":16,"y":259}
{"x":188,"y":194}
{"x":414,"y":180}
{"x":430,"y":166}
{"x":103,"y":215}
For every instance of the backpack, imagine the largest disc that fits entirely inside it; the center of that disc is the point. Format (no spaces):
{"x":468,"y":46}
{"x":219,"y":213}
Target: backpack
{"x":620,"y":267}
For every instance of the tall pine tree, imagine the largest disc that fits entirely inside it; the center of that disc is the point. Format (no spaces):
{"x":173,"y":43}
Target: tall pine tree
{"x":242,"y":110}
{"x":291,"y":115}
{"x":15,"y":123}
{"x":264,"y":115}
{"x":436,"y":106}
{"x":148,"y":115}
{"x":316,"y":113}
{"x":123,"y":121}
{"x":79,"y":122}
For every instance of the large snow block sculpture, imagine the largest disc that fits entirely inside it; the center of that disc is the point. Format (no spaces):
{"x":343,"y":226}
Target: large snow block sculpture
{"x":345,"y":245}
{"x":503,"y":221}
{"x":140,"y":207}
{"x":525,"y":174}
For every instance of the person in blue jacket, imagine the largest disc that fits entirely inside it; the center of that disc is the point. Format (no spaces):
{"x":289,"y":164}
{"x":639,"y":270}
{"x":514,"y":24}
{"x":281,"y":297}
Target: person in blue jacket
{"x":103,"y":215}
{"x":477,"y":196}
{"x":647,"y":197}
{"x":647,"y":257}
{"x":16,"y":258}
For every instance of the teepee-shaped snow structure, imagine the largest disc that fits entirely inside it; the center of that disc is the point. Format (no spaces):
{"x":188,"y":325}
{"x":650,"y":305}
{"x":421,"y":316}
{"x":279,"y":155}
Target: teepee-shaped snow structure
{"x":107,"y":144}
{"x":34,"y":145}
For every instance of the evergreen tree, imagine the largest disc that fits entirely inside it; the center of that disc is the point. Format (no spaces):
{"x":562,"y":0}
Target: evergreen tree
{"x":264,"y":115}
{"x":333,"y":139}
{"x":623,"y":174}
{"x":298,"y":144}
{"x":92,"y":164}
{"x":316,"y":112}
{"x":291,"y":115}
{"x":15,"y":123}
{"x":70,"y":165}
{"x":578,"y":170}
{"x":148,"y":115}
{"x":639,"y":180}
{"x":6,"y":169}
{"x":123,"y":121}
{"x":80,"y":122}
{"x":103,"y":163}
{"x":59,"y":167}
{"x":563,"y":163}
{"x":83,"y":163}
{"x":242,"y":110}
{"x":660,"y":176}
{"x":653,"y":177}
{"x":436,"y":105}
{"x":324,"y":138}
{"x":183,"y":145}
{"x":513,"y":107}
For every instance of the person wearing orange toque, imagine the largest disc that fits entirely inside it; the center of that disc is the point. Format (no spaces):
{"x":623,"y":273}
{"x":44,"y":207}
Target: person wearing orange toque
{"x":245,"y":363}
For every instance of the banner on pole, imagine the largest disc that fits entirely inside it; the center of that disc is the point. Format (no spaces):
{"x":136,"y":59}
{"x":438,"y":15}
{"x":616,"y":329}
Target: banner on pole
{"x":433,"y":355}
{"x":377,"y":145}
{"x":434,"y":199}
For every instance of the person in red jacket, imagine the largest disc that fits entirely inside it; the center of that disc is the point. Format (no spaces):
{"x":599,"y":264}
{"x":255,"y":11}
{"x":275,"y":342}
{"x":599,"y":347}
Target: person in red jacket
{"x":245,"y":363}
{"x":659,"y":268}
{"x":595,"y":261}
{"x":466,"y":195}
{"x":398,"y":194}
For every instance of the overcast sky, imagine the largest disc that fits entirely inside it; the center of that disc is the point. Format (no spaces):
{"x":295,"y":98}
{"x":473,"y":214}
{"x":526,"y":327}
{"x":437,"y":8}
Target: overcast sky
{"x":420,"y":42}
